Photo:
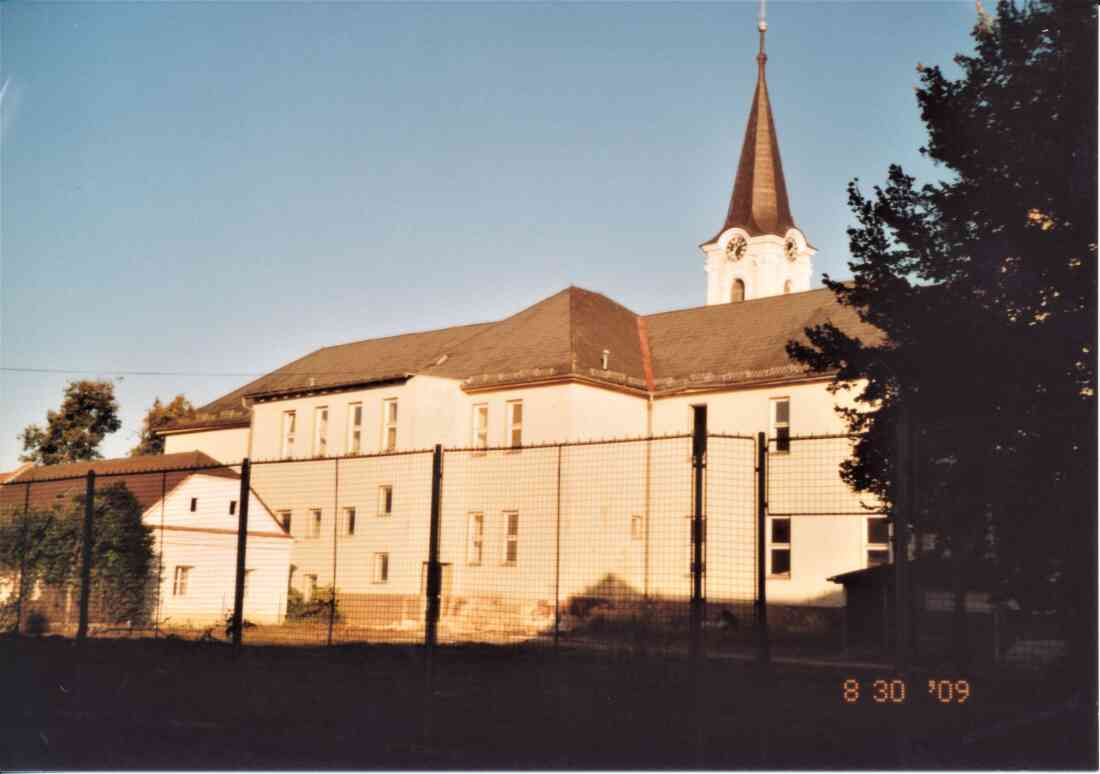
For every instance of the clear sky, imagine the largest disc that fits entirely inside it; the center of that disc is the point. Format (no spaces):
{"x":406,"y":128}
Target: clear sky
{"x":214,"y":189}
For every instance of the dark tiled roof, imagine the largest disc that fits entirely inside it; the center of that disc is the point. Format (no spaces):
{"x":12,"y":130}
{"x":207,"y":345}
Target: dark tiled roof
{"x":742,"y":343}
{"x":154,"y":463}
{"x":564,"y":336}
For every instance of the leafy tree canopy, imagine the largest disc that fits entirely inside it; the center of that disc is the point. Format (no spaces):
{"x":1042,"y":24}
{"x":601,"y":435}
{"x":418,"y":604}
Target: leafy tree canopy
{"x":88,"y":413}
{"x":985,"y":284}
{"x":159,"y":416}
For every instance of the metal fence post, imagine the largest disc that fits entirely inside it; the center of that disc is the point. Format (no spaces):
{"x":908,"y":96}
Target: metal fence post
{"x":24,"y":546}
{"x":698,"y":465}
{"x":763,"y":640}
{"x":335,"y":538}
{"x":86,"y":563}
{"x":242,"y":541}
{"x":434,"y":569}
{"x":557,"y":558}
{"x":903,"y":494}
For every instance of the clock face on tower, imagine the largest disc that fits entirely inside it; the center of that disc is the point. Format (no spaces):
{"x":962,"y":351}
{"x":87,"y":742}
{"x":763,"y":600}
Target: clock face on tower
{"x":790,"y":249}
{"x":735,"y":249}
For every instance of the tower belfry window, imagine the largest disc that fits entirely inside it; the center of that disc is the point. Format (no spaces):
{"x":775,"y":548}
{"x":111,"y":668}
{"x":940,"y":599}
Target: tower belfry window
{"x":737,"y":292}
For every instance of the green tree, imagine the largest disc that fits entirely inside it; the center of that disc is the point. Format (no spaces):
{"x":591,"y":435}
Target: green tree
{"x":985,"y":286}
{"x":159,"y":416}
{"x":88,"y":413}
{"x":46,"y":544}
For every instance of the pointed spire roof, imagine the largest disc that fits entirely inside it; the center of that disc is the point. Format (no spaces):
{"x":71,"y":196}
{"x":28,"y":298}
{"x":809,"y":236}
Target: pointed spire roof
{"x":759,"y":201}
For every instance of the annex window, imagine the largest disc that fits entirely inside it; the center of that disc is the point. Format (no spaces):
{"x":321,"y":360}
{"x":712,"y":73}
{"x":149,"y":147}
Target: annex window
{"x":380,"y":568}
{"x":878,"y":541}
{"x":311,"y":586}
{"x":637,"y":527}
{"x":180,"y":579}
{"x":320,"y":431}
{"x":481,"y":426}
{"x":314,"y":523}
{"x":511,"y":537}
{"x":284,"y":519}
{"x":349,"y":521}
{"x":290,"y":421}
{"x":232,"y":507}
{"x":781,"y":424}
{"x":475,"y":537}
{"x":779,"y":535}
{"x":194,"y":504}
{"x":389,"y":424}
{"x":385,"y":500}
{"x":355,"y":428}
{"x":515,"y":423}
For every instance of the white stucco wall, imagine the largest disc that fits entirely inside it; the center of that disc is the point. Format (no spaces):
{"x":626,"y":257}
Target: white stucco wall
{"x":228,"y":446}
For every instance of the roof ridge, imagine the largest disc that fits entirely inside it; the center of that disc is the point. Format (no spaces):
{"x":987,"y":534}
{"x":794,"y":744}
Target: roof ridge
{"x":737,"y":303}
{"x":403,"y":335}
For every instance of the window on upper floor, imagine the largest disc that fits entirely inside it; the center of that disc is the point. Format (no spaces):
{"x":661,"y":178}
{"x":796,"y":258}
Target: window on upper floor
{"x":320,"y":431}
{"x":481,"y":426}
{"x":232,"y":507}
{"x":380,"y":568}
{"x":355,"y":428}
{"x":290,"y":421}
{"x":389,"y":424}
{"x":314,"y":523}
{"x":515,"y":423}
{"x":878,"y":541}
{"x":349,"y":521}
{"x":385,"y":500}
{"x":779,"y":542}
{"x":781,"y":424}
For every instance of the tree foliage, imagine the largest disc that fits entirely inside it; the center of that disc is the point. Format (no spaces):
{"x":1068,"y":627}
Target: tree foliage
{"x":88,"y":413}
{"x":159,"y":416}
{"x":46,"y":545}
{"x":985,"y":286}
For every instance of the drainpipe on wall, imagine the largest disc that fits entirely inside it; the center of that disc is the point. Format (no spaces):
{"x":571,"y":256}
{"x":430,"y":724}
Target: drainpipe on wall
{"x":648,"y":462}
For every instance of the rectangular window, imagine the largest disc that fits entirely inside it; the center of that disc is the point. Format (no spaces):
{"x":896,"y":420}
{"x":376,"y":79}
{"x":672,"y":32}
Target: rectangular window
{"x":194,"y":504}
{"x":355,"y":428}
{"x":475,"y":537}
{"x":511,"y":537}
{"x":314,"y":523}
{"x":385,"y":500}
{"x":311,"y":586}
{"x":284,"y":519}
{"x":780,"y":553}
{"x":180,"y":579}
{"x":289,"y":429}
{"x":515,"y":423}
{"x":878,"y":541}
{"x":637,"y":527}
{"x":389,"y":424}
{"x":380,"y":569}
{"x":781,"y":424}
{"x":349,"y":520}
{"x":232,"y":507}
{"x":320,"y":431}
{"x":481,"y":426}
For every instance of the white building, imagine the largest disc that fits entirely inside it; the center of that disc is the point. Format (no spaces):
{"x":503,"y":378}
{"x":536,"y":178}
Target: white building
{"x":574,"y":366}
{"x":190,"y":503}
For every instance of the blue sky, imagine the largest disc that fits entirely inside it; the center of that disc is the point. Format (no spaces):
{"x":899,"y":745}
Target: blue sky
{"x":215,"y":189}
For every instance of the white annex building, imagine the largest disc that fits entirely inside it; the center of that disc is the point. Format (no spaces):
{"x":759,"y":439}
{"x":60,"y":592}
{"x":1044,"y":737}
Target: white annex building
{"x":574,"y":366}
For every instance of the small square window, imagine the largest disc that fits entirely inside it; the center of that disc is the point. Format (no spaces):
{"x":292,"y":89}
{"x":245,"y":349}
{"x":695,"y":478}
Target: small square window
{"x":637,"y":527}
{"x":781,"y":424}
{"x":194,"y":504}
{"x":779,"y":553}
{"x":180,"y":580}
{"x":284,"y":519}
{"x":349,"y":520}
{"x":389,"y":424}
{"x":232,"y":507}
{"x":385,"y":500}
{"x":878,"y":541}
{"x":511,"y":537}
{"x":481,"y":426}
{"x":515,"y":424}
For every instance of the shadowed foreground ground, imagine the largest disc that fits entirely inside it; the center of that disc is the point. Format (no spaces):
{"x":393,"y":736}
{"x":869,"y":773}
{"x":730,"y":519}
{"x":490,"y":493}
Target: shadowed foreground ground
{"x":168,"y":704}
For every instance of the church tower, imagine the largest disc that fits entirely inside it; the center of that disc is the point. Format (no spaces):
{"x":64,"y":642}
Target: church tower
{"x":758,"y":251}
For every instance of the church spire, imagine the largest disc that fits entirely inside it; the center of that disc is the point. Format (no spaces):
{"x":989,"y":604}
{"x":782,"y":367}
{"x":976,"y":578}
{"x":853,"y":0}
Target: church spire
{"x":759,"y":202}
